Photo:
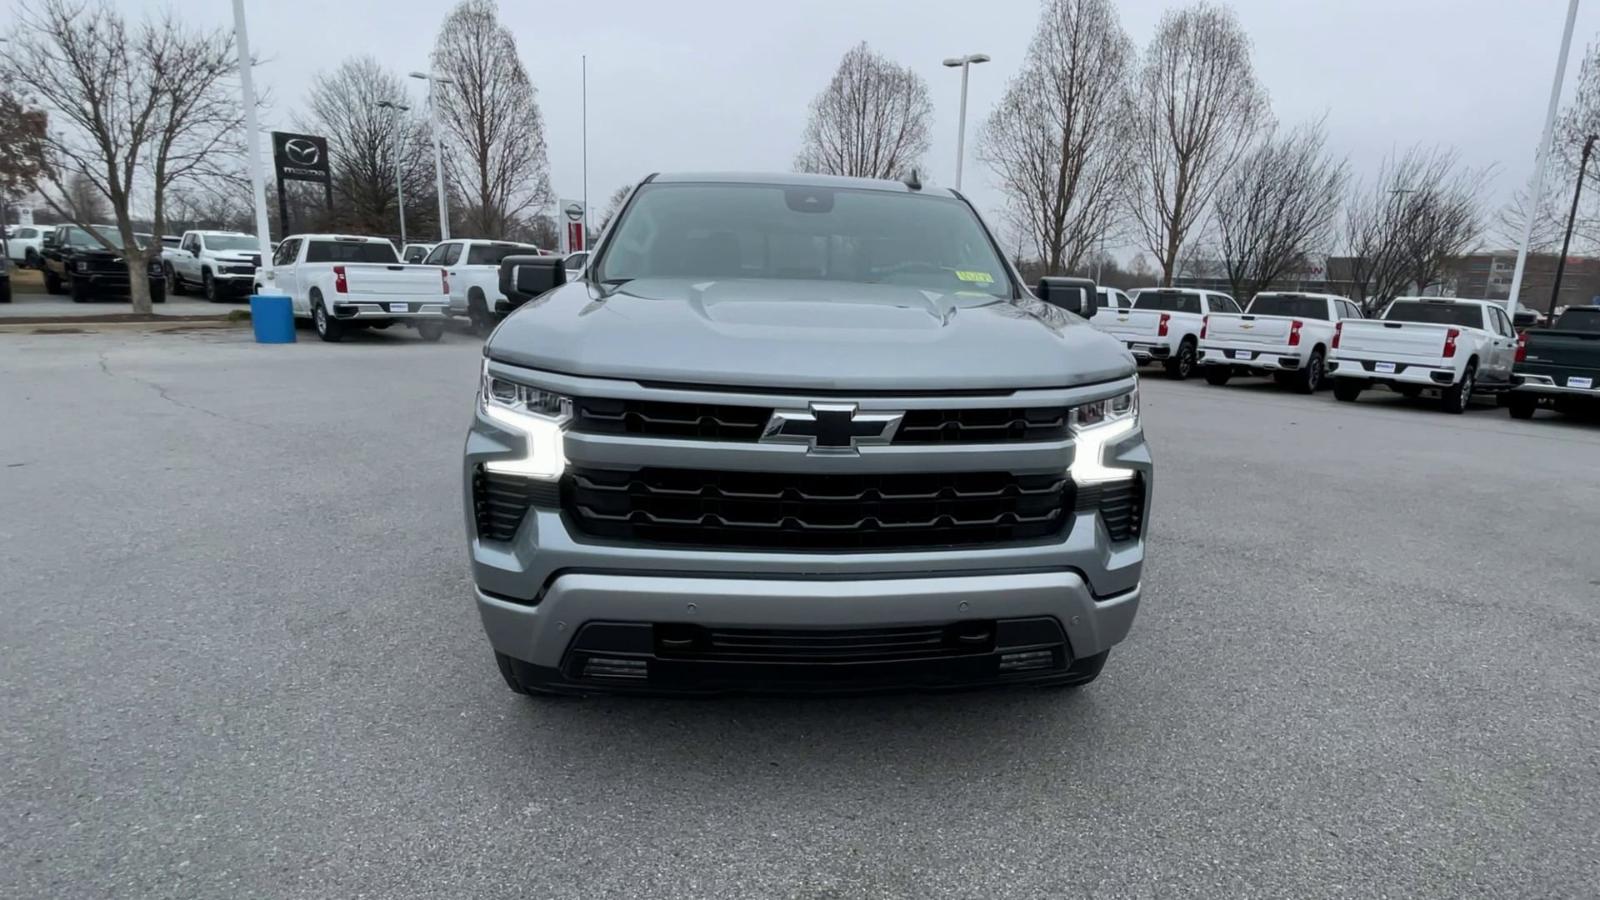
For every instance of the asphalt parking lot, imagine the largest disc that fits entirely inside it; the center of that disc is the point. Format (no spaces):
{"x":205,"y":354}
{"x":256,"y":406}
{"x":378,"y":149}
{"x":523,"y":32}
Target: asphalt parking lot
{"x":240,"y":660}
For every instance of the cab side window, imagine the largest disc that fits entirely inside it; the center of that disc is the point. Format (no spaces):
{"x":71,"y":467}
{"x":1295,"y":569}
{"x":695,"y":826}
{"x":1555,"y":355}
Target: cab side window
{"x":436,"y":258}
{"x":452,"y":255}
{"x":287,"y":251}
{"x":1497,"y":316}
{"x":191,"y":243}
{"x":1219,"y":303}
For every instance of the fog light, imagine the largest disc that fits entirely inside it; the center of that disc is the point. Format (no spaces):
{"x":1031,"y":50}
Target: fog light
{"x":614,"y":668}
{"x":1027,"y":659}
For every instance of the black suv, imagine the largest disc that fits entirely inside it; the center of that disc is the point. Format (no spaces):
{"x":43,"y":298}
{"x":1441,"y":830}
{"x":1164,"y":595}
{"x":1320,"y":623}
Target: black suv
{"x":75,"y":262}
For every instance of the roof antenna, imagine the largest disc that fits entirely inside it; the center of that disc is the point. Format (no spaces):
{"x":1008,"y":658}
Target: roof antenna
{"x":912,"y":180}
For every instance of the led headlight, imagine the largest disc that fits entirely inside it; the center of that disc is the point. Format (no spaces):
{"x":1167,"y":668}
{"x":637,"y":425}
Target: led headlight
{"x":538,"y":415}
{"x":1096,"y":424}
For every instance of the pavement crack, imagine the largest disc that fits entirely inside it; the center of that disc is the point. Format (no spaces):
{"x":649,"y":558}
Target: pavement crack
{"x":166,"y":395}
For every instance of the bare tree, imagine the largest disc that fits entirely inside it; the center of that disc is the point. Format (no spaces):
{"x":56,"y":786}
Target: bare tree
{"x":1198,"y":111}
{"x":1057,"y":138}
{"x":489,"y":111}
{"x":614,"y":205}
{"x":22,"y":145}
{"x":1278,"y":205}
{"x":363,"y":140}
{"x":871,"y":121}
{"x":1403,"y":231}
{"x":133,"y":110}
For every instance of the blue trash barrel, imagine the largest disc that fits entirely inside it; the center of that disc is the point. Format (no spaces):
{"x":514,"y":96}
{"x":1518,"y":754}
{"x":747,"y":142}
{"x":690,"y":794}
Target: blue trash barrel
{"x":272,"y":318}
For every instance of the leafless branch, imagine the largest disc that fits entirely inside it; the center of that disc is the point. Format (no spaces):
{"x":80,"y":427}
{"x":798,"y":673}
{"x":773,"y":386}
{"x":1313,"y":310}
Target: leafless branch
{"x":871,"y":121}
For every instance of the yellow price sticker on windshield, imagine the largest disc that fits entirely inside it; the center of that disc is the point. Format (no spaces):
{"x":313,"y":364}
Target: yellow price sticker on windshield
{"x":975,"y":277}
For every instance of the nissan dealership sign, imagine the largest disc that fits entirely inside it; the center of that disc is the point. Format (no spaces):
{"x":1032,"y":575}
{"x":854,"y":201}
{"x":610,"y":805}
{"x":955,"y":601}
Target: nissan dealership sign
{"x":573,"y":237}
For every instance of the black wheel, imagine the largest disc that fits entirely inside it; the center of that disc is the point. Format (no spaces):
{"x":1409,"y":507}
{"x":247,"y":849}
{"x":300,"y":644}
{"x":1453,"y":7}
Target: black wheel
{"x":478,"y":313}
{"x":1521,"y":406}
{"x":158,"y":292}
{"x":1217,"y":375}
{"x":208,"y":287}
{"x":430,"y":331}
{"x":1457,"y":397}
{"x":52,"y":282}
{"x":328,"y":328}
{"x":1180,"y":367}
{"x":1307,"y":380}
{"x":509,"y":673}
{"x":1347,"y":389}
{"x":81,"y":292}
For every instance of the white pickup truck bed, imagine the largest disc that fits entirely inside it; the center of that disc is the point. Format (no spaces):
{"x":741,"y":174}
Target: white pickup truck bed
{"x":342,"y":282}
{"x":1450,"y":345}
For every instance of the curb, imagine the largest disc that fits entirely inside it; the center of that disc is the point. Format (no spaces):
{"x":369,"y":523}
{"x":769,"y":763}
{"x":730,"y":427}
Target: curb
{"x":82,"y":324}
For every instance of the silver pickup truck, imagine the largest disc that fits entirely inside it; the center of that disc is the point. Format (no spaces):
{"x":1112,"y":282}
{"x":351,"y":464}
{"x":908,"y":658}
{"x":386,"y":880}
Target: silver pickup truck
{"x":800,"y":433}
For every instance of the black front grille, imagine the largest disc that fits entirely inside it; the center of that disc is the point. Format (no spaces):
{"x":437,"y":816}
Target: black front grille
{"x":672,"y":420}
{"x":722,"y":422}
{"x":983,"y":426}
{"x":806,"y":511}
{"x":823,"y":646}
{"x":1119,"y":503}
{"x":500,"y":502}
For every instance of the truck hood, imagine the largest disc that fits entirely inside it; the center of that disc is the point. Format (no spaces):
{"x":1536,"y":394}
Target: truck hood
{"x":820,"y":335}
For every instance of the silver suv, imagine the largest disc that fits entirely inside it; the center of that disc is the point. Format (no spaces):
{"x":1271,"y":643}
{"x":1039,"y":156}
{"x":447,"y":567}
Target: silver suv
{"x":796,"y":432}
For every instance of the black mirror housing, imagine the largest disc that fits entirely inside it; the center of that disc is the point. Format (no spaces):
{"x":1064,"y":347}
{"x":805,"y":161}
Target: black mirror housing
{"x":1079,"y":296}
{"x":524,"y":277}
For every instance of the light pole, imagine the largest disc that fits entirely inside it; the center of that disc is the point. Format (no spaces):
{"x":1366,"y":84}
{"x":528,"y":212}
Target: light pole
{"x":438,"y":150}
{"x":1572,"y":218}
{"x":1536,"y":189}
{"x":399,"y":186}
{"x":258,"y":178}
{"x":964,"y":63}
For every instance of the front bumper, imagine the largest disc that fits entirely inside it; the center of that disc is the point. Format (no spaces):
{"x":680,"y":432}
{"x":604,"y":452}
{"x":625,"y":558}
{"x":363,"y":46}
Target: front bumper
{"x":614,"y":632}
{"x":1404,"y":373}
{"x":537,"y":591}
{"x":1254,"y":357}
{"x":389,"y":310}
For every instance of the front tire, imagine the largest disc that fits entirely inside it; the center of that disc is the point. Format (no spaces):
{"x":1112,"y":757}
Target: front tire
{"x":158,"y":292}
{"x":52,"y":282}
{"x":1180,"y":367}
{"x":1217,"y":375}
{"x":208,"y":287}
{"x":81,"y":292}
{"x":328,"y":328}
{"x":1347,"y":389}
{"x":1457,"y":397}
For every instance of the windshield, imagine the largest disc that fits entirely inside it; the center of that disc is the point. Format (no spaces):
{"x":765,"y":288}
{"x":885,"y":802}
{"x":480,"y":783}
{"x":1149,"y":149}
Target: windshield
{"x":491,"y":254}
{"x":1288,"y":306}
{"x":230,"y":242}
{"x":351,"y":252}
{"x":79,"y":237}
{"x":1167,"y":301}
{"x":803,"y":233}
{"x":1464,"y":314}
{"x":1579,"y":320}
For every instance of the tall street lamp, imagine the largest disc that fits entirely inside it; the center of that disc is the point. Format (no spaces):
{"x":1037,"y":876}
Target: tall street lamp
{"x":1572,"y":218}
{"x":399,"y":185}
{"x":964,"y":63}
{"x":438,"y":151}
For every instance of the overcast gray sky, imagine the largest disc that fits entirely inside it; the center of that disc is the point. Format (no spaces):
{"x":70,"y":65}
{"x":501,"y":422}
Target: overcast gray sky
{"x":712,"y":84}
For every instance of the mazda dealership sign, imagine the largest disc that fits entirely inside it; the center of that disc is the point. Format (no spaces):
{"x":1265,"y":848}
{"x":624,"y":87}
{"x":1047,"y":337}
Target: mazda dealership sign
{"x":300,"y":157}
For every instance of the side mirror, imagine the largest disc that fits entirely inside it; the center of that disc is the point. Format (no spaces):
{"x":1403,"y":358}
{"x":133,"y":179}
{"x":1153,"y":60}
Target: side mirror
{"x":1071,"y":294}
{"x":524,"y":277}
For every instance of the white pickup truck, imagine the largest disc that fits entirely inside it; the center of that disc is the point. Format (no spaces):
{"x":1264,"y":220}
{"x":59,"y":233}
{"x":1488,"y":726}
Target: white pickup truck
{"x":1286,"y":335}
{"x":221,"y":264}
{"x":1164,"y":325}
{"x":1112,"y":303}
{"x":342,"y":282}
{"x":473,"y":270}
{"x":1453,"y":346}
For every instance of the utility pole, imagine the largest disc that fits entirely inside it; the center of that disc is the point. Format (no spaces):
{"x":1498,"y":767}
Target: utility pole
{"x":585,"y":151}
{"x":964,"y":63}
{"x":438,"y":148}
{"x":399,"y":184}
{"x":1536,"y":189}
{"x":1572,"y":218}
{"x":252,"y":136}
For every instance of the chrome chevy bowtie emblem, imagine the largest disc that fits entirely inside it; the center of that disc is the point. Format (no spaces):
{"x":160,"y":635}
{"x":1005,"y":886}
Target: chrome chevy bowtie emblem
{"x":832,"y":427}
